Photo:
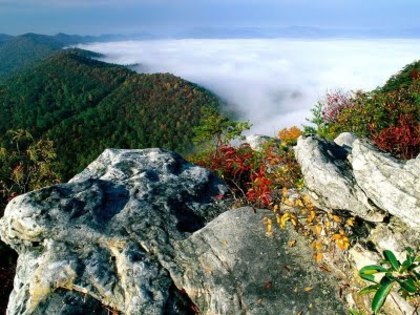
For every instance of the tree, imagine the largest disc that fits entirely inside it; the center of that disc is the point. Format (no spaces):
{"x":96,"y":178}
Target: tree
{"x":217,"y":130}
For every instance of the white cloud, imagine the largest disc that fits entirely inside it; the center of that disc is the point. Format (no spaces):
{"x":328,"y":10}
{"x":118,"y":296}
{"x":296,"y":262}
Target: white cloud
{"x":271,"y":82}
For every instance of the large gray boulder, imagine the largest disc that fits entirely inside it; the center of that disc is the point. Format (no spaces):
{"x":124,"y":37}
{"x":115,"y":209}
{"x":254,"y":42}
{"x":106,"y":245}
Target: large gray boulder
{"x":102,"y":234}
{"x":358,"y":177}
{"x":329,"y":178}
{"x":131,"y":233}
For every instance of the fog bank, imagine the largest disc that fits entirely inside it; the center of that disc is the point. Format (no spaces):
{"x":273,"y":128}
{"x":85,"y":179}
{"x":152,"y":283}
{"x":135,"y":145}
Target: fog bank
{"x":271,"y":82}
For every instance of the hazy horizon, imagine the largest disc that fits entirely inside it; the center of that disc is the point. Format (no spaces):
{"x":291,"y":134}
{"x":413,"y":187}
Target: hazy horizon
{"x":96,"y":17}
{"x":271,"y":82}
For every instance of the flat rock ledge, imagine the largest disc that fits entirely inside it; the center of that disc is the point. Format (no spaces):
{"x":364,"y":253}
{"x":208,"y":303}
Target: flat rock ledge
{"x":145,"y":232}
{"x":357,"y":177}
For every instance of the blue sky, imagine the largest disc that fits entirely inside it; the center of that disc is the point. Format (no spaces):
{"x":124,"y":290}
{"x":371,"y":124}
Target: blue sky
{"x":131,"y":16}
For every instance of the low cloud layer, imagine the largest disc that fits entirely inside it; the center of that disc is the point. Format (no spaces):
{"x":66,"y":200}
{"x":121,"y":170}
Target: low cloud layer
{"x":273,"y":83}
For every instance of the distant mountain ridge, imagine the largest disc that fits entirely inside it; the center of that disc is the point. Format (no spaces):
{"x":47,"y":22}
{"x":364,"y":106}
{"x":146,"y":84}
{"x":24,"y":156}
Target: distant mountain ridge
{"x":301,"y":32}
{"x":85,"y":106}
{"x":18,"y":52}
{"x":22,"y":51}
{"x":5,"y":37}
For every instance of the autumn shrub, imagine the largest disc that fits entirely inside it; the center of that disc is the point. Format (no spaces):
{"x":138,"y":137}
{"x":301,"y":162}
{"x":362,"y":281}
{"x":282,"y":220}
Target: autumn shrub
{"x":389,"y":117}
{"x":290,"y":135}
{"x":403,"y":139}
{"x":253,"y":176}
{"x":333,"y":103}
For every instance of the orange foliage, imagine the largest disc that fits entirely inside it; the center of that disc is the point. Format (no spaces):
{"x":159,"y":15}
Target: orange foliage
{"x":290,"y":135}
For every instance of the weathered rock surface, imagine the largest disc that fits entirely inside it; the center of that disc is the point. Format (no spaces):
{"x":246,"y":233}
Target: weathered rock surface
{"x":360,"y":178}
{"x":345,"y":140}
{"x":391,"y":184}
{"x":131,"y":233}
{"x":231,"y":267}
{"x":102,"y":234}
{"x":329,"y":178}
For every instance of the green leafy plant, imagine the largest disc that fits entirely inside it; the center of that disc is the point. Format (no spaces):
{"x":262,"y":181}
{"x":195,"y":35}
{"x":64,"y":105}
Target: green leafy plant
{"x":319,"y":126}
{"x":216,"y":129}
{"x":405,"y":274}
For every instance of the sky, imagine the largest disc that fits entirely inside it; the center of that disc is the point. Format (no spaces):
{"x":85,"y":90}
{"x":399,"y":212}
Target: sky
{"x":273,"y":83}
{"x":96,"y":17}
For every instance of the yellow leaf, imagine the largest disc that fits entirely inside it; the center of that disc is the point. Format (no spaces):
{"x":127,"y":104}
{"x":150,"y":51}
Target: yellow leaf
{"x":350,"y":222}
{"x":336,"y":218}
{"x":268,"y":226}
{"x":278,"y":219}
{"x":292,"y":243}
{"x":283,"y":220}
{"x":341,"y":240}
{"x":317,"y":245}
{"x":307,"y":200}
{"x":294,"y":220}
{"x":299,"y":203}
{"x":310,"y":217}
{"x":318,"y":257}
{"x":307,"y":289}
{"x":317,"y":229}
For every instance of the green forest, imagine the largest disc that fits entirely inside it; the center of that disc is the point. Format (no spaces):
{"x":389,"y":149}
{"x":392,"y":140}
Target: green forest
{"x":85,"y":106}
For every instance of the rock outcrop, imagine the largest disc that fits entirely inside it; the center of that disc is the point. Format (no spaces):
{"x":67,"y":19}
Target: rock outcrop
{"x":134,"y":233}
{"x":102,"y":234}
{"x":345,"y":140}
{"x":329,"y":178}
{"x":391,"y":184}
{"x":358,"y":177}
{"x":145,"y":232}
{"x":351,"y":174}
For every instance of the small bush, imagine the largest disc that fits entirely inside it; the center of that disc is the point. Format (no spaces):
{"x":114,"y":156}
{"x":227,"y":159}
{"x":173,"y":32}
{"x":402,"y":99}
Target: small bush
{"x":290,"y":135}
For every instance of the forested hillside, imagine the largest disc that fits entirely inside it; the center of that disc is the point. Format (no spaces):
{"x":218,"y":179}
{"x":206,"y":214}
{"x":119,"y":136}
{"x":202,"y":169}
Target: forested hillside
{"x":403,"y":79}
{"x":4,"y":38}
{"x":21,"y":51}
{"x":85,"y":106}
